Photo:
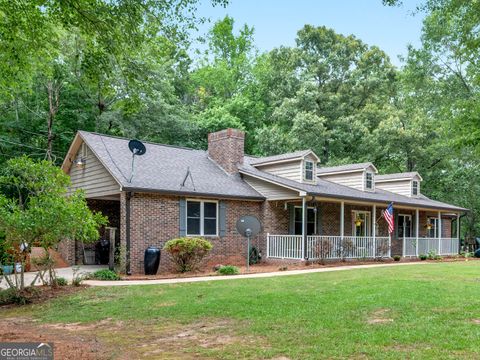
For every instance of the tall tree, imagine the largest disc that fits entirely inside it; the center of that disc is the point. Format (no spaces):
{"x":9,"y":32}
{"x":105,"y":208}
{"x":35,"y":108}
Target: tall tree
{"x":328,"y":80}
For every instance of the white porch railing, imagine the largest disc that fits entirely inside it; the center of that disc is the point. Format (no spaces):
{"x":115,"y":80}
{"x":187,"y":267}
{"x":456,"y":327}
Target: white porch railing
{"x":443,"y":246}
{"x":284,"y":246}
{"x":327,"y":247}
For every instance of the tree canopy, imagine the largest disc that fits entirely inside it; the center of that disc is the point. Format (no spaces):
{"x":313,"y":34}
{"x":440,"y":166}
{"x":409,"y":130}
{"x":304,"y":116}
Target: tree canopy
{"x":130,"y":68}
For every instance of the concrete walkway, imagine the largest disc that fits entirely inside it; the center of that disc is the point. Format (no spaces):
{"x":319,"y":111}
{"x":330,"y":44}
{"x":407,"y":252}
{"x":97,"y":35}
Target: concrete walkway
{"x":244,"y":276}
{"x":66,"y":273}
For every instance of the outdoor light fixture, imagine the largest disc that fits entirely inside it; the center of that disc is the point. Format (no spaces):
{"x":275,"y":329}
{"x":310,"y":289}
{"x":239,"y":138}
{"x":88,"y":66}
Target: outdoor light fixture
{"x":358,"y":222}
{"x":428,"y":226}
{"x":80,"y":162}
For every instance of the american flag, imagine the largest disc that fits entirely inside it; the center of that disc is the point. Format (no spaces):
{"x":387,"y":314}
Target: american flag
{"x":388,"y":215}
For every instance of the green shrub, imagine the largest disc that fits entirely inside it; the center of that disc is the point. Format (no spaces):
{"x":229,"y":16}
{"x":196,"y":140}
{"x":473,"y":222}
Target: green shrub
{"x":187,"y":252}
{"x":397,"y":257}
{"x":422,"y":257}
{"x":228,"y":270}
{"x":105,"y":274}
{"x":61,"y":281}
{"x":13,"y":296}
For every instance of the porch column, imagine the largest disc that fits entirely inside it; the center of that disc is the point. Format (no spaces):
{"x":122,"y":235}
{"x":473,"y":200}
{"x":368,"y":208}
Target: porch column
{"x":458,"y":233}
{"x":304,"y":227}
{"x":342,"y":213}
{"x":439,"y":231}
{"x":417,"y":220}
{"x":458,"y":226}
{"x":374,"y":229}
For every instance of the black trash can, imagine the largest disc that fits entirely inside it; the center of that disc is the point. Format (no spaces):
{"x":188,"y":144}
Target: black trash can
{"x":103,"y":249}
{"x":151,"y":260}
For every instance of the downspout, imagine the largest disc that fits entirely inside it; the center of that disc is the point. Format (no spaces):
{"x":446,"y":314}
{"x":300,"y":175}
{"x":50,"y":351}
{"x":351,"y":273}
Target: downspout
{"x":127,"y":231}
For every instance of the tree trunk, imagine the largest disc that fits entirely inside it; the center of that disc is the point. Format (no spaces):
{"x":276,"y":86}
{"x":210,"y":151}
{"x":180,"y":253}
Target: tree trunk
{"x":53,"y":92}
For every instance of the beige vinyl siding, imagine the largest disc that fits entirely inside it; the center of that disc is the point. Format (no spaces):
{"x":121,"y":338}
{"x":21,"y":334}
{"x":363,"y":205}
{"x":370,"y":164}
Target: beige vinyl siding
{"x":94,"y":178}
{"x":292,"y":170}
{"x":351,"y":179}
{"x":269,"y":190}
{"x":401,"y":187}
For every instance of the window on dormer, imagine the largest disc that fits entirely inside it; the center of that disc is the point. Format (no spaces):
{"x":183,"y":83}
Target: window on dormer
{"x":415,"y":187}
{"x":369,"y":181}
{"x":308,"y":170}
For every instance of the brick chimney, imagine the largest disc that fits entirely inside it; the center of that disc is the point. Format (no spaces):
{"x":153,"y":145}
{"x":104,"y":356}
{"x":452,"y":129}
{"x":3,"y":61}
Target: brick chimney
{"x":225,"y":147}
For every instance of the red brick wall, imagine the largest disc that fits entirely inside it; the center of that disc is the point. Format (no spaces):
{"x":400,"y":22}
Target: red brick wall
{"x":226,"y":148}
{"x":275,"y":217}
{"x":155,"y":220}
{"x":446,"y":224}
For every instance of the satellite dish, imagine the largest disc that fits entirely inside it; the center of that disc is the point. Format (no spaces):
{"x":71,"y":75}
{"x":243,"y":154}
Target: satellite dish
{"x":137,"y":148}
{"x":248,"y":226}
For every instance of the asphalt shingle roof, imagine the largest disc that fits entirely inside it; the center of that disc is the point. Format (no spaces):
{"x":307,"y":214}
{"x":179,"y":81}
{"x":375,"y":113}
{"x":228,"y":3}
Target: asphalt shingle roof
{"x":329,"y":189}
{"x":280,"y":157}
{"x":339,"y":168}
{"x":163,"y":168}
{"x":405,"y":175}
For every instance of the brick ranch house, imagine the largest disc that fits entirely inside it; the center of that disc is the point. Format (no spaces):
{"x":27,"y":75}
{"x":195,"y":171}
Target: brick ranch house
{"x":307,"y":211}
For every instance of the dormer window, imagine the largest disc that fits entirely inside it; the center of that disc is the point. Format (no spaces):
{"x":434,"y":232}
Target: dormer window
{"x":369,"y":181}
{"x":308,"y":170}
{"x":414,"y":187}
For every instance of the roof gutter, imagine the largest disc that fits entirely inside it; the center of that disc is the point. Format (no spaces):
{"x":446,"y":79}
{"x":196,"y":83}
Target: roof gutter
{"x":340,"y":197}
{"x":191,"y":193}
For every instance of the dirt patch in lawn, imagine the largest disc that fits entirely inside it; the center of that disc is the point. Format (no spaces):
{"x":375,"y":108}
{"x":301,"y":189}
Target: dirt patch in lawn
{"x":476,"y":321}
{"x":380,"y":316}
{"x":107,"y":339}
{"x":66,"y":345}
{"x":201,"y":339}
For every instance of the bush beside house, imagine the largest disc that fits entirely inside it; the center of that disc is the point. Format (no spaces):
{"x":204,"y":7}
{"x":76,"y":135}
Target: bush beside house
{"x":187,"y":252}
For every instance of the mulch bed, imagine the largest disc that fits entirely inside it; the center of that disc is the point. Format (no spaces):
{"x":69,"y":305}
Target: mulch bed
{"x":40,"y":294}
{"x":279,"y":265}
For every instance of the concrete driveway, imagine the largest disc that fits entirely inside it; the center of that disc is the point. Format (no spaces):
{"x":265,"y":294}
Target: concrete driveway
{"x":66,"y":273}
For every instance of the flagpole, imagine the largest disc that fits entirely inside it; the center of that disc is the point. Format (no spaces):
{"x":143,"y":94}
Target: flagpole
{"x":389,"y":244}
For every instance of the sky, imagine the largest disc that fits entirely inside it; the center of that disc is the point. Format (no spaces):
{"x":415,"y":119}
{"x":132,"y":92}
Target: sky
{"x":276,"y":22}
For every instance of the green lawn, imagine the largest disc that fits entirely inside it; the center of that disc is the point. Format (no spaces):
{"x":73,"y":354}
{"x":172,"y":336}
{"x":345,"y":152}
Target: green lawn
{"x":423,"y":311}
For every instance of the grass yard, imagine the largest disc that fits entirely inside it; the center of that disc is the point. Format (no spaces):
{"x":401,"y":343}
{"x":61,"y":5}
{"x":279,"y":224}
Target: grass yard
{"x":421,"y":311}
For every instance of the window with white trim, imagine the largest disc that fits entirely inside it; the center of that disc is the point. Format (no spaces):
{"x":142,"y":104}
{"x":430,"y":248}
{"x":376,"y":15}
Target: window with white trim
{"x":369,"y":181}
{"x":414,"y":187}
{"x":311,"y":220}
{"x":308,"y":175}
{"x":202,"y":218}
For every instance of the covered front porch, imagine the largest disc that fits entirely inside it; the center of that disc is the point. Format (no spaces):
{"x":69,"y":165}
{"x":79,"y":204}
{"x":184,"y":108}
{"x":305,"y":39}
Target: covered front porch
{"x":313,"y":228}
